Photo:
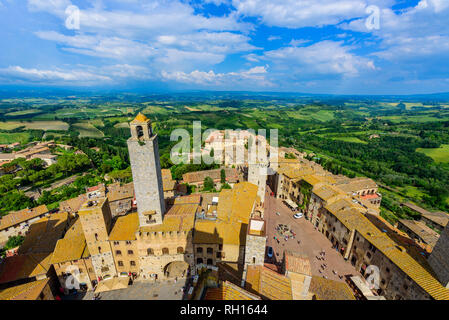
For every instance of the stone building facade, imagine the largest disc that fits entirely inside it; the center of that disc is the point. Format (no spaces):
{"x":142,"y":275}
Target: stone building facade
{"x":146,"y":169}
{"x":439,"y":259}
{"x":96,"y":220}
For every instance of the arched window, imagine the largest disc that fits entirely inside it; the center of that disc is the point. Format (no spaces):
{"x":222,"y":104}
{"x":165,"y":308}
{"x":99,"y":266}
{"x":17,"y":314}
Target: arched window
{"x":150,"y":251}
{"x":199,"y":261}
{"x":165,"y":251}
{"x":180,"y":250}
{"x":139,"y":131}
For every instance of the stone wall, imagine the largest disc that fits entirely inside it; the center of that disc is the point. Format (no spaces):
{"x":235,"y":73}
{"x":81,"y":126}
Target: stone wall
{"x":439,"y":259}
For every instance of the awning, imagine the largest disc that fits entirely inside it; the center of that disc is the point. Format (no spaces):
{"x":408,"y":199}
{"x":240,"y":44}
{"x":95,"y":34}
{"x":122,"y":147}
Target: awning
{"x":291,"y":203}
{"x":115,"y":283}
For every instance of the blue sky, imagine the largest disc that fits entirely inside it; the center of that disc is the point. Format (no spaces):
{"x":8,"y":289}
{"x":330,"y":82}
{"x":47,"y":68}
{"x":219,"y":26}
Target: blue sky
{"x":315,"y":46}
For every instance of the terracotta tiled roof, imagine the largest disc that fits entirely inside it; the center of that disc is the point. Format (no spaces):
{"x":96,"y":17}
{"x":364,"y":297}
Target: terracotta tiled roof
{"x":352,"y":218}
{"x":24,"y":266}
{"x":440,"y":218}
{"x":357,"y":184}
{"x":26,"y":291}
{"x":72,"y":247}
{"x":140,"y":118}
{"x":268,"y":284}
{"x":18,"y":217}
{"x":427,"y":234}
{"x":199,"y":176}
{"x":325,"y":289}
{"x":74,"y":204}
{"x":229,"y":291}
{"x":44,"y":233}
{"x":117,"y":192}
{"x":125,"y":228}
{"x":297,"y":263}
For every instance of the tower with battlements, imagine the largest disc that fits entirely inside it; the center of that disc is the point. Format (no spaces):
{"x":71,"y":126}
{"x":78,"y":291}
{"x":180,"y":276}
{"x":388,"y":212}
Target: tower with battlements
{"x":146,"y":169}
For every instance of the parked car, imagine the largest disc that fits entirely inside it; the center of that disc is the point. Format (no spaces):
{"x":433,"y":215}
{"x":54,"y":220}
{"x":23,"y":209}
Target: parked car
{"x":278,"y":213}
{"x":298,"y":215}
{"x":270,"y":252}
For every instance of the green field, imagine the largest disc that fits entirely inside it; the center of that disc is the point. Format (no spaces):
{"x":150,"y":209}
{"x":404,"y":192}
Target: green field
{"x":438,"y":154}
{"x":7,"y":138}
{"x":34,"y":125}
{"x":22,"y":112}
{"x":349,"y":139}
{"x":86,"y":129}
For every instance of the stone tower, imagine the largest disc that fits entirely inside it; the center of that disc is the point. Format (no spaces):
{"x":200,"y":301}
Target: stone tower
{"x":439,"y":258}
{"x":96,"y":221}
{"x":256,"y":241}
{"x":257,"y":174}
{"x":146,"y":168}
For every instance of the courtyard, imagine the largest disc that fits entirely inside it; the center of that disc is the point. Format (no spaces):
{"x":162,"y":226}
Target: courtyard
{"x":307,"y":241}
{"x":139,"y":290}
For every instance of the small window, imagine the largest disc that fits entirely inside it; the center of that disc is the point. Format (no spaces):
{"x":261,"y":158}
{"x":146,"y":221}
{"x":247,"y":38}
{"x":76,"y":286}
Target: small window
{"x":199,"y":261}
{"x":130,"y":252}
{"x":120,"y":263}
{"x":118,"y":252}
{"x":165,"y":251}
{"x":150,"y":251}
{"x":99,"y":249}
{"x":199,"y":250}
{"x":210,"y":262}
{"x":180,"y":250}
{"x":210,"y":250}
{"x":132,"y":263}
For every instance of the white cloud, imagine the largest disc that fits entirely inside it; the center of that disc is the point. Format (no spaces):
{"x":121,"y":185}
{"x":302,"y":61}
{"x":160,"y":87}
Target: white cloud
{"x":81,"y":75}
{"x":34,"y":74}
{"x":305,"y":13}
{"x":322,"y":58}
{"x":212,"y":78}
{"x":162,"y":34}
{"x":272,"y":38}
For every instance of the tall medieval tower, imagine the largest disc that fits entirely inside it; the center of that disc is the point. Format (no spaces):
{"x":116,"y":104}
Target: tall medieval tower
{"x":146,"y":168}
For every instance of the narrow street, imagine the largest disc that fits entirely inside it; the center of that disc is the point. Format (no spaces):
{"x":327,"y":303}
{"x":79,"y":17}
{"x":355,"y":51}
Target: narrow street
{"x":308,"y":241}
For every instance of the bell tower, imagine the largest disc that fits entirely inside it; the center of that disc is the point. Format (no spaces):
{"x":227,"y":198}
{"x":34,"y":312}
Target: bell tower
{"x":146,"y":169}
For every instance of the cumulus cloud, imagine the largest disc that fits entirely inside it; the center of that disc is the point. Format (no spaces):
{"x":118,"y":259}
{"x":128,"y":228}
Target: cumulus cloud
{"x":305,"y":13}
{"x":82,"y":75}
{"x":322,"y":58}
{"x":212,"y":78}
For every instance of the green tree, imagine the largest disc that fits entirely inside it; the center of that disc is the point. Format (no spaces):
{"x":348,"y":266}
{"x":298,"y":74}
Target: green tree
{"x":208,"y":184}
{"x":222,"y":176}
